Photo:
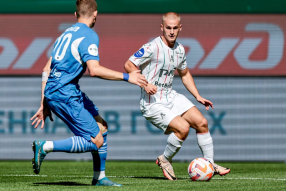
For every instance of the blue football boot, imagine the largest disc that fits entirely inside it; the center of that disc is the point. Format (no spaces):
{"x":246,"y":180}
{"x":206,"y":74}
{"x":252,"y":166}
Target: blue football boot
{"x":104,"y":182}
{"x":39,"y":155}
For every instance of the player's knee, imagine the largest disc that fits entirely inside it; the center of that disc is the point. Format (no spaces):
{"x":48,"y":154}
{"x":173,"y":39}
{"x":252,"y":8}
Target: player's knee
{"x":184,"y":130}
{"x":104,"y":127}
{"x":98,"y":140}
{"x":203,"y":126}
{"x":105,"y":124}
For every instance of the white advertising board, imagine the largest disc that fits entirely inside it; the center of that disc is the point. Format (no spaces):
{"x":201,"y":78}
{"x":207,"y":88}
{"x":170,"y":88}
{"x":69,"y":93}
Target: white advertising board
{"x":248,"y":122}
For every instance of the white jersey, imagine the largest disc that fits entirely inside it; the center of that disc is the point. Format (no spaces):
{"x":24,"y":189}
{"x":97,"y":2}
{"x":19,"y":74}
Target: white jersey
{"x":158,"y":63}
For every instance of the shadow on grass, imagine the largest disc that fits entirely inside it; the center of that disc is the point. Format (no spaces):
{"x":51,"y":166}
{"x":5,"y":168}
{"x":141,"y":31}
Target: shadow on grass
{"x":182,"y":178}
{"x":61,"y":183}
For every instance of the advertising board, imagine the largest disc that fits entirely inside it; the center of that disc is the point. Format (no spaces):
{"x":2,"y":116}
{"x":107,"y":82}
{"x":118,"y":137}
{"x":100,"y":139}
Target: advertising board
{"x":216,"y":45}
{"x":247,"y":122}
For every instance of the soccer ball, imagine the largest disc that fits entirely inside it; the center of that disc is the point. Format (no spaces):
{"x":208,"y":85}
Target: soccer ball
{"x":201,"y":169}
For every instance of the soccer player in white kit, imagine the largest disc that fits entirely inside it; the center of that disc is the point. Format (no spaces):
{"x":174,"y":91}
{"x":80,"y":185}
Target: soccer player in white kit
{"x":164,"y":107}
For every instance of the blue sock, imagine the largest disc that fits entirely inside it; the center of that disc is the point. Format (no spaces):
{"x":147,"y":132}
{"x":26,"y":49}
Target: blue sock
{"x":74,"y":144}
{"x":99,"y":157}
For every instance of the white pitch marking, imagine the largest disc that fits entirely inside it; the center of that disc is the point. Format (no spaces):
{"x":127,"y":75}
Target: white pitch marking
{"x":252,"y":178}
{"x":27,"y":175}
{"x":23,"y":175}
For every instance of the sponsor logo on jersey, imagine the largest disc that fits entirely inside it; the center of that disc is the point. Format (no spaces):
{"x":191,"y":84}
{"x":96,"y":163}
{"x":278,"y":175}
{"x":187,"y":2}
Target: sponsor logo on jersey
{"x":139,"y":53}
{"x":163,"y":85}
{"x":178,"y":52}
{"x":166,"y":72}
{"x":55,"y":73}
{"x":93,"y":50}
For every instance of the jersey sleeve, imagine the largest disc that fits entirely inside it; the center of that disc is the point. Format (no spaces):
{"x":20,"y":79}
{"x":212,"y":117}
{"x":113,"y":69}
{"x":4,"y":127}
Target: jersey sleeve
{"x":143,"y":55}
{"x":88,"y":48}
{"x":183,"y":63}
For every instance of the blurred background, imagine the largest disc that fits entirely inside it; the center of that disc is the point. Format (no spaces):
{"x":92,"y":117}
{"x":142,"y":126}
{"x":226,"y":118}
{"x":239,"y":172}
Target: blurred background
{"x":235,"y":51}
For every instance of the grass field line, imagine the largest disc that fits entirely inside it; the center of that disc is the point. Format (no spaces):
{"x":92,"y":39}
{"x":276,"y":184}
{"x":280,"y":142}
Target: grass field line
{"x":283,"y":179}
{"x":73,"y":176}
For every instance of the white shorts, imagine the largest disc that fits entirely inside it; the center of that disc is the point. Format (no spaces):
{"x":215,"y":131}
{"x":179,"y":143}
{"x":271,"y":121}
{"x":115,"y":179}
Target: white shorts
{"x":161,"y":114}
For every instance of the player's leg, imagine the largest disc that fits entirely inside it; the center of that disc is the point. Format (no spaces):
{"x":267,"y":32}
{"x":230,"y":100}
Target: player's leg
{"x":163,"y":118}
{"x":180,"y":130}
{"x":178,"y":126}
{"x":197,"y":121}
{"x":87,"y":134}
{"x":88,"y":137}
{"x":99,"y":157}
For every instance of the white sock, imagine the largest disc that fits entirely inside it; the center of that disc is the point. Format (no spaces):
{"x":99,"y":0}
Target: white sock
{"x":205,"y":142}
{"x":48,"y":146}
{"x":173,"y":146}
{"x":98,"y":175}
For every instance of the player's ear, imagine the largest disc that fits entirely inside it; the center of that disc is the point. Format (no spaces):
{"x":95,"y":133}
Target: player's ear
{"x":75,"y":14}
{"x":95,"y":14}
{"x":162,"y":27}
{"x":181,"y":27}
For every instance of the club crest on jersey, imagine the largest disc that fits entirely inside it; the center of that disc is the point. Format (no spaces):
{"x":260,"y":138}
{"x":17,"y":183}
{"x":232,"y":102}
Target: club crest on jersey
{"x":139,"y":53}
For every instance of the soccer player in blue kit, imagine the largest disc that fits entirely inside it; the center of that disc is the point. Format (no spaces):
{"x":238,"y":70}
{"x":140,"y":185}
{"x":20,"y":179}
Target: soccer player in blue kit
{"x":74,"y":51}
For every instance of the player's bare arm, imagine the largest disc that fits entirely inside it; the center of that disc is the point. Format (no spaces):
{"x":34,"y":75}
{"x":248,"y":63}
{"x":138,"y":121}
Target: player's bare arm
{"x":149,"y":88}
{"x":44,"y":111}
{"x":189,"y":83}
{"x":96,"y":70}
{"x":46,"y":73}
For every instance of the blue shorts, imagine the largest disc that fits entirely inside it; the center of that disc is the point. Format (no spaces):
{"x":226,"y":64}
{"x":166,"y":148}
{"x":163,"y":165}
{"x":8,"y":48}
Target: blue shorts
{"x":78,"y":114}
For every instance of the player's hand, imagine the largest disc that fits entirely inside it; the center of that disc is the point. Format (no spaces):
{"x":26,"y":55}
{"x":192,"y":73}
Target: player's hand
{"x":138,"y":79}
{"x":205,"y":102}
{"x":41,"y":115}
{"x":150,"y":89}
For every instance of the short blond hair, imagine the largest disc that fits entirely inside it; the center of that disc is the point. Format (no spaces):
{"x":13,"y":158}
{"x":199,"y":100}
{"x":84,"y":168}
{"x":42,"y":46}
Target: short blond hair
{"x":171,"y":15}
{"x":85,"y":7}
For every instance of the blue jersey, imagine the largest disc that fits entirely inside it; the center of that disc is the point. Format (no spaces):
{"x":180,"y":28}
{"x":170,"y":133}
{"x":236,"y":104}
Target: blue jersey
{"x":72,"y":50}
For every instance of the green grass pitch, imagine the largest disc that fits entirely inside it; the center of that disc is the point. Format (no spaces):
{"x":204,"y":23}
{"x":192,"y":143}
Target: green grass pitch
{"x":138,"y":175}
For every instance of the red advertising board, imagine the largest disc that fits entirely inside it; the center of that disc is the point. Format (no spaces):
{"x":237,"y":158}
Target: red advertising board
{"x":243,"y":45}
